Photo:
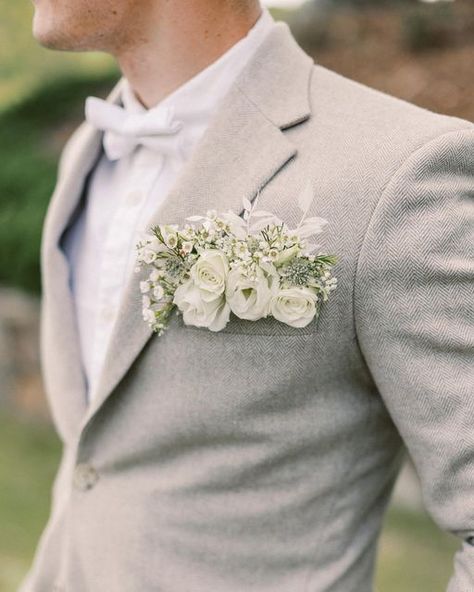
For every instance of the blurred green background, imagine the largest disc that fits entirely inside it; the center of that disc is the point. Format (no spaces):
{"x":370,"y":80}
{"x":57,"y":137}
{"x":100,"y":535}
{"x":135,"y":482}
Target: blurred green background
{"x":421,"y":52}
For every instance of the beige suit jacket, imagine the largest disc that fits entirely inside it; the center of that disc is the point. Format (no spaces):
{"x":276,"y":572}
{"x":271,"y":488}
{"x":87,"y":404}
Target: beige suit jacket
{"x":261,"y":458}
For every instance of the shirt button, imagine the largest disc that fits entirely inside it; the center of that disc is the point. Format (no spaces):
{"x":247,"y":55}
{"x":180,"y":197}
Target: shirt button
{"x":85,"y":476}
{"x":470,"y":540}
{"x":134,"y":197}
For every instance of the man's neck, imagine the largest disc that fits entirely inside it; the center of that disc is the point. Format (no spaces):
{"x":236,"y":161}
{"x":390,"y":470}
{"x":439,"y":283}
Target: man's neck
{"x":174,"y":49}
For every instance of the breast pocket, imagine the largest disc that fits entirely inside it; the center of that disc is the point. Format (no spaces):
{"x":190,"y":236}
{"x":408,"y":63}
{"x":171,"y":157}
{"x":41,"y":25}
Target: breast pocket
{"x":268,"y":326}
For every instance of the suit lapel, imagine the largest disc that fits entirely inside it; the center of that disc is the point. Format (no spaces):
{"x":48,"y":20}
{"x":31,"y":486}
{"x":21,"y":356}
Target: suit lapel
{"x":64,"y":376}
{"x":243,"y":148}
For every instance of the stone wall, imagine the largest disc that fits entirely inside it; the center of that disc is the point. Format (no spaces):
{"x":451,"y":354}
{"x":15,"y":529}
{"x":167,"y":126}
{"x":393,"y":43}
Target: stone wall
{"x":21,"y":388}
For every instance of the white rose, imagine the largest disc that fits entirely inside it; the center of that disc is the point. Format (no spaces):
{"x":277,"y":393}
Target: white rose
{"x":209,"y":273}
{"x":294,"y":306}
{"x":250,"y":298}
{"x":198,"y":311}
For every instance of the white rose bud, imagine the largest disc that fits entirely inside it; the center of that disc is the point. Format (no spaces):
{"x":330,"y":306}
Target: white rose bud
{"x":250,"y":298}
{"x":294,"y":306}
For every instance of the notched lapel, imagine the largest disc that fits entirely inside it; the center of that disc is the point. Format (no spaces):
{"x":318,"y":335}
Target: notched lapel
{"x":60,"y":349}
{"x":242,"y":150}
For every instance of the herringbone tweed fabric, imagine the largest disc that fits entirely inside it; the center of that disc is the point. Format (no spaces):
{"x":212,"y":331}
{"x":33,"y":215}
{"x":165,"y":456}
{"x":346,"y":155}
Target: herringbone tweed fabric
{"x":261,"y":458}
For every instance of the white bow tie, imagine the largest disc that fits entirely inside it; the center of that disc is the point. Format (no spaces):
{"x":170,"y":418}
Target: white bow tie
{"x":123,"y":131}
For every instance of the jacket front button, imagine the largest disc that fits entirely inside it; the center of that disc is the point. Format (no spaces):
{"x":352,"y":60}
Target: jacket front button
{"x":85,"y":476}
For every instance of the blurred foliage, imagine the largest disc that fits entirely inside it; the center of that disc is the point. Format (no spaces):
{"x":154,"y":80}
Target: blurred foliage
{"x":418,"y":51}
{"x":41,"y":100}
{"x":426,"y":26}
{"x":23,"y":62}
{"x":413,"y":556}
{"x":31,"y":135}
{"x":420,"y":25}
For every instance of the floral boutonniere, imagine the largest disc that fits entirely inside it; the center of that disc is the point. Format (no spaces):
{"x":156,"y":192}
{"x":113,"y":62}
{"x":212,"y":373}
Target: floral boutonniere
{"x":252,"y":266}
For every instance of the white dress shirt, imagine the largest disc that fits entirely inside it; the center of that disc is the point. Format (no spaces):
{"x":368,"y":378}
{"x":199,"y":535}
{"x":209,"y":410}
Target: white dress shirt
{"x":123,"y":193}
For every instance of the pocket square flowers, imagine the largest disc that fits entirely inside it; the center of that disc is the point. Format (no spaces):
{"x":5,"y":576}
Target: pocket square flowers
{"x":253,"y":266}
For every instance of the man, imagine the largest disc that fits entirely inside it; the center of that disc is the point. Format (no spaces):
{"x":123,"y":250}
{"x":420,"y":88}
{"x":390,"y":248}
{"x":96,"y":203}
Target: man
{"x":260,"y":457}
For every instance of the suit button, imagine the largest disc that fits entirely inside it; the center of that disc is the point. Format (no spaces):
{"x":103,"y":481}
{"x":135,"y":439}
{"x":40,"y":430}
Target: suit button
{"x":85,"y":476}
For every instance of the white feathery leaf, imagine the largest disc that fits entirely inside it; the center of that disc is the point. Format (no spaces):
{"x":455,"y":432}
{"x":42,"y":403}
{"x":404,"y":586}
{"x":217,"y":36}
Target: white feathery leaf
{"x":305,"y":199}
{"x":246,"y":203}
{"x":315,"y":221}
{"x":239,"y":232}
{"x":310,"y":227}
{"x":237,"y":224}
{"x":310,"y":247}
{"x":257,"y":226}
{"x":232,"y":217}
{"x":260,"y":213}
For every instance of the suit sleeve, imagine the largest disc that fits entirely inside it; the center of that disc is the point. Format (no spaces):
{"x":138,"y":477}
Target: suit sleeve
{"x":414,"y":315}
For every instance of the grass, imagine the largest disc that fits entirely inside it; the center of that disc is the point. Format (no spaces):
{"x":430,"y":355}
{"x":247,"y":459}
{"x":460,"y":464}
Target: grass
{"x":414,"y":555}
{"x":28,"y":458}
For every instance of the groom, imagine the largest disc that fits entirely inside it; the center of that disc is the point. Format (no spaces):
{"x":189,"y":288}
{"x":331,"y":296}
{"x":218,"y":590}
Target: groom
{"x":260,"y":457}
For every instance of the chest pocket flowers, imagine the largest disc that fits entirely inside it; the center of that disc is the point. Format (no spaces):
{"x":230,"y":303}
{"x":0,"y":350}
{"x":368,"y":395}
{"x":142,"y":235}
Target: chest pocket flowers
{"x":252,"y":266}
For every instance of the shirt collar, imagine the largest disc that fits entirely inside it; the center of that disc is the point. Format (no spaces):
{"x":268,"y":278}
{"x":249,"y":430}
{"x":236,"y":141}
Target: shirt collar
{"x":199,"y":95}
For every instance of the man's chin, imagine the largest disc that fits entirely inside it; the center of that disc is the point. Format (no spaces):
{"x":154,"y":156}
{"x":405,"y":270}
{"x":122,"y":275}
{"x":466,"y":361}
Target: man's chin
{"x":47,"y":37}
{"x":55,"y":40}
{"x":54,"y":37}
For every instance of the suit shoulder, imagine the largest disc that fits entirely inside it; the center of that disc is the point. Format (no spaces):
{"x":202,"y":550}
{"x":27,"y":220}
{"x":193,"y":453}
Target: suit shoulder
{"x":363,"y":112}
